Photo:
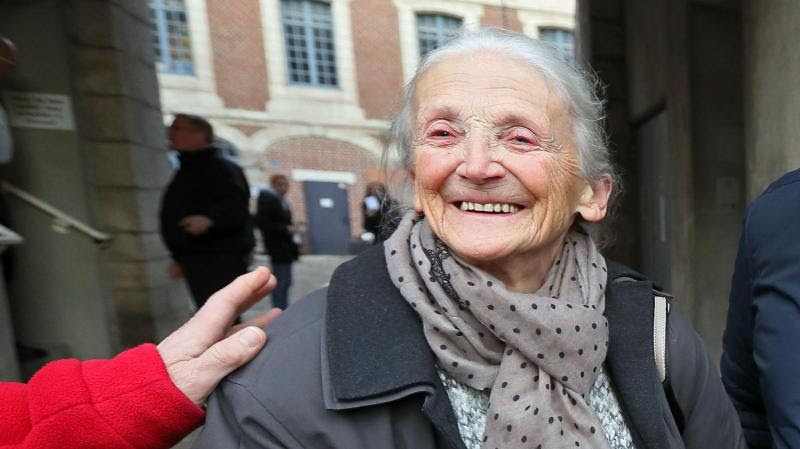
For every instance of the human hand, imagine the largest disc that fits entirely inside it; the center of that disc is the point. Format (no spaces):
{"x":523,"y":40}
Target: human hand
{"x":174,"y":271}
{"x":206,"y":349}
{"x":196,"y":224}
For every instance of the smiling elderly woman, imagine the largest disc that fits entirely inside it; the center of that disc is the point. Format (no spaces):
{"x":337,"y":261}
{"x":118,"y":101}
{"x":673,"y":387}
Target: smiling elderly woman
{"x":489,"y":319}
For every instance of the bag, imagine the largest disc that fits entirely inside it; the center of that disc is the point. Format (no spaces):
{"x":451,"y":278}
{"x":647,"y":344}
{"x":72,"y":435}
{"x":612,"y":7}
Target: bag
{"x":661,"y":307}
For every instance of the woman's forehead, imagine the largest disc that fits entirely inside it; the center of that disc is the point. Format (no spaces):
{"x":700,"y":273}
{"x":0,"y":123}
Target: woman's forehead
{"x":486,"y":83}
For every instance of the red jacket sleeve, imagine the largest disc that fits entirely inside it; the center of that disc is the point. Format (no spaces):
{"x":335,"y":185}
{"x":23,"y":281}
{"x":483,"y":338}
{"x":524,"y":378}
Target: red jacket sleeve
{"x":126,"y":402}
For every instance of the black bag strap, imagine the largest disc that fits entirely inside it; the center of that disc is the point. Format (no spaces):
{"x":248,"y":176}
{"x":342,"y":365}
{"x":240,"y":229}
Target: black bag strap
{"x":661,"y":308}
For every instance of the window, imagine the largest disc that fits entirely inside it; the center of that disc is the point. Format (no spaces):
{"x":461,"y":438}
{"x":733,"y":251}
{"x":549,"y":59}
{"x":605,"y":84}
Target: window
{"x":435,"y":30}
{"x":308,"y":35}
{"x":171,"y":37}
{"x":562,"y":40}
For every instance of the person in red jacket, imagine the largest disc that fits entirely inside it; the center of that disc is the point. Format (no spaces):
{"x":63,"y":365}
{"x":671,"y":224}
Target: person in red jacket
{"x":148,"y":397}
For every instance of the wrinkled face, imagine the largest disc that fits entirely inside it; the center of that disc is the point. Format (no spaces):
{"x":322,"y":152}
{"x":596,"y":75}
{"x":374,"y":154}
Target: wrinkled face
{"x":495,"y":168}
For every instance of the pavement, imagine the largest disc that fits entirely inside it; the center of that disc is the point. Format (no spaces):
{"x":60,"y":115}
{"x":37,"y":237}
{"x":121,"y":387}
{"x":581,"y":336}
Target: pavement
{"x":309,"y":273}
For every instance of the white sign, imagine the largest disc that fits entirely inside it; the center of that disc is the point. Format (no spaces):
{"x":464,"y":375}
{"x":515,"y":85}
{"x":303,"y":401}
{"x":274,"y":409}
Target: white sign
{"x":38,"y":110}
{"x":326,"y":203}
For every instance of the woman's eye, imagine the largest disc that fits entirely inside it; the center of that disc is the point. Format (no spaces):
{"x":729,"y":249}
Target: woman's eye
{"x":441,"y":133}
{"x":522,"y":137}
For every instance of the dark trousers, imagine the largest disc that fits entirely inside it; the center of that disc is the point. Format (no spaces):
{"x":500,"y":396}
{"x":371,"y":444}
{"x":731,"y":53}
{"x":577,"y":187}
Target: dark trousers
{"x":280,"y":296}
{"x":207,"y":273}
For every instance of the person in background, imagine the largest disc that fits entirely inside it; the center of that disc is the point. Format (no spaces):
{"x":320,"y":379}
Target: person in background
{"x":760,"y":363}
{"x":205,"y":218}
{"x":8,"y":59}
{"x":148,"y":397}
{"x":375,"y":208}
{"x":274,"y":220}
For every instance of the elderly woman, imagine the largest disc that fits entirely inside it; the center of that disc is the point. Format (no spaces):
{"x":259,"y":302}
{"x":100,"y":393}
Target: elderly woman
{"x":489,"y":319}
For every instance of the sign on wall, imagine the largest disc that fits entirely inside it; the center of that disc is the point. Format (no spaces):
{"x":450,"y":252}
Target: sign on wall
{"x":39,"y":110}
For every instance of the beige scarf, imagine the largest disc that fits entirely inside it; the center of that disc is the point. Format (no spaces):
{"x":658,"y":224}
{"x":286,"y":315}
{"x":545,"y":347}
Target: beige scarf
{"x":537,"y":353}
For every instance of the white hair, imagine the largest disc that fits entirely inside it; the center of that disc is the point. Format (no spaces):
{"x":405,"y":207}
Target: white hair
{"x":576,"y":87}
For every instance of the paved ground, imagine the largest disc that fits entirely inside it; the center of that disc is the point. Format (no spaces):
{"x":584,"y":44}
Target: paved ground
{"x":310,"y":273}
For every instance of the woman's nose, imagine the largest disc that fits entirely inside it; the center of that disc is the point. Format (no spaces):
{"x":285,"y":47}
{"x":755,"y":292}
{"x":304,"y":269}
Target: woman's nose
{"x":478,"y":166}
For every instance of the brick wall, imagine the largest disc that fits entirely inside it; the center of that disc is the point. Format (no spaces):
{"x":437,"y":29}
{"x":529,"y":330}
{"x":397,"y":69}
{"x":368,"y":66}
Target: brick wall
{"x":493,"y":16}
{"x":238,"y":51}
{"x":376,"y":45}
{"x":317,"y":153}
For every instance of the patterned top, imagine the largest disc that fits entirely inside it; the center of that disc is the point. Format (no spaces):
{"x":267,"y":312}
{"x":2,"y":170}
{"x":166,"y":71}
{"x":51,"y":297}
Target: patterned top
{"x":471,"y":406}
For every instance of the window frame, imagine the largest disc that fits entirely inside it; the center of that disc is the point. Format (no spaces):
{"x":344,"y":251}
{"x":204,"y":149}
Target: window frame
{"x":558,"y":44}
{"x":165,"y":62}
{"x":442,"y":35}
{"x":310,"y":24}
{"x":470,"y":14}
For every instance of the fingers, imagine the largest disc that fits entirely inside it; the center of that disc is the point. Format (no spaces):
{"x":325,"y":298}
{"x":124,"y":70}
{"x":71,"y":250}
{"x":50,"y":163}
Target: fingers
{"x":216,"y":362}
{"x":261,"y":321}
{"x":212,"y":321}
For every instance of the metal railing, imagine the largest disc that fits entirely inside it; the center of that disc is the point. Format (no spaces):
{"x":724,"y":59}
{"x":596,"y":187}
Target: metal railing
{"x":62,"y":221}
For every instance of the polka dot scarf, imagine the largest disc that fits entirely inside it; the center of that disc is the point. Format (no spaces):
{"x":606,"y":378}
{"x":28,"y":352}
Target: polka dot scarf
{"x":539,"y":353}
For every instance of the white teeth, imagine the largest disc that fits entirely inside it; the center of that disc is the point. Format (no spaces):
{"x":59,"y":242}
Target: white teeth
{"x":491,"y":207}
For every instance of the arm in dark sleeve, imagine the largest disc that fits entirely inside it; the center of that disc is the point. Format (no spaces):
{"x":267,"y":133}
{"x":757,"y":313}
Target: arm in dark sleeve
{"x":739,"y":374}
{"x":127,"y":402}
{"x":238,"y":420}
{"x":268,"y":212}
{"x":230,"y":208}
{"x":710,"y":420}
{"x":773,"y":240}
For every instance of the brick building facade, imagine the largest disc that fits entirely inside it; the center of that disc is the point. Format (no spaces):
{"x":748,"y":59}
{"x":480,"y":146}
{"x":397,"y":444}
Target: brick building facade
{"x":308,"y":87}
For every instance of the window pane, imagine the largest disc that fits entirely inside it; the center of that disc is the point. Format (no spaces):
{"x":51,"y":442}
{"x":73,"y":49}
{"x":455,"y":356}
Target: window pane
{"x":561,"y":40}
{"x":308,"y":37}
{"x":435,"y":30}
{"x":171,"y":37}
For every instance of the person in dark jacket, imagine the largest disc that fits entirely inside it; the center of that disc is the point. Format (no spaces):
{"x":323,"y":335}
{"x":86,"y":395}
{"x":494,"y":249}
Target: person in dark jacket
{"x":376,"y":209}
{"x":274,"y":220}
{"x":760,"y":362}
{"x":489,"y":318}
{"x":205,"y":218}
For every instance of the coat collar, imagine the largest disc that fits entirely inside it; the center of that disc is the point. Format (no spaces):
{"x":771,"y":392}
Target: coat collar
{"x":374,"y":350}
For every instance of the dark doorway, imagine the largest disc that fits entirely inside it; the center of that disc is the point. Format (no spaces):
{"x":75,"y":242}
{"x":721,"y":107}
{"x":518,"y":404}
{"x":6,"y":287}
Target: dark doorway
{"x":328,"y":217}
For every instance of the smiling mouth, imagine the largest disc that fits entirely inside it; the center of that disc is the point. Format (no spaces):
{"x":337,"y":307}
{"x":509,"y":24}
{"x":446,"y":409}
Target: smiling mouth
{"x":494,"y":208}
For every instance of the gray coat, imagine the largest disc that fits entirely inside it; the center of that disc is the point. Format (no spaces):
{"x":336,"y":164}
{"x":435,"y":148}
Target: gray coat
{"x":348,"y":367}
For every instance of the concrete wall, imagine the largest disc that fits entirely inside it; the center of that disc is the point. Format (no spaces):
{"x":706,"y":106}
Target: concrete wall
{"x":677,"y":129}
{"x":58,"y":296}
{"x":771,"y":90}
{"x":68,"y":296}
{"x":718,"y":161}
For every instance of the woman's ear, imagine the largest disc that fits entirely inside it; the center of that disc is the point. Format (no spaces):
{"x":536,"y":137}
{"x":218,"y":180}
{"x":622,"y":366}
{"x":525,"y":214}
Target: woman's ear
{"x":593,"y":202}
